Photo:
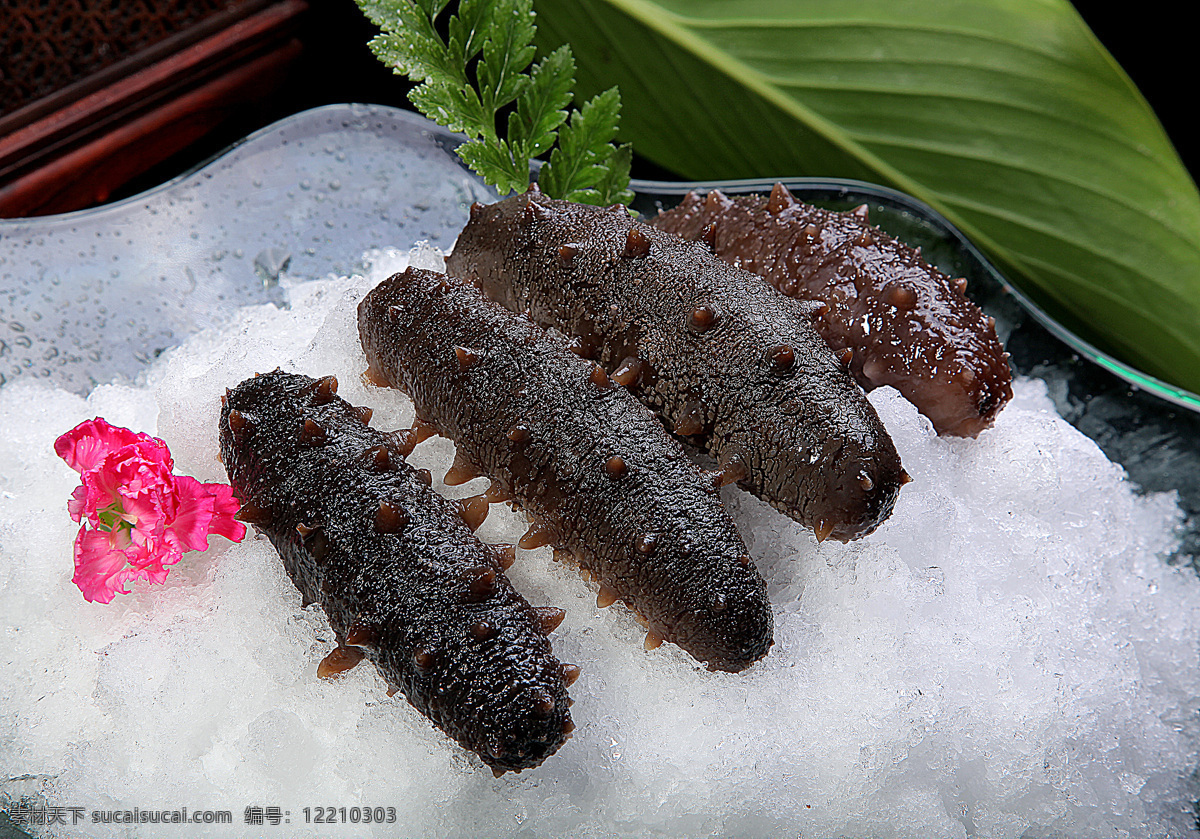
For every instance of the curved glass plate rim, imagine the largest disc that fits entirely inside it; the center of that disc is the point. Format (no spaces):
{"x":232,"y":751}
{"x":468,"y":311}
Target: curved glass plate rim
{"x":1131,"y":375}
{"x":648,"y":188}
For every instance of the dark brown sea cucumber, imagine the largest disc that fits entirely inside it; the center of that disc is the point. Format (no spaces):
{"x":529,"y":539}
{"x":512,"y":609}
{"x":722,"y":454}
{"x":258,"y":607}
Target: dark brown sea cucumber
{"x":589,"y":463}
{"x":727,"y":361}
{"x":401,"y":577}
{"x":909,"y":325}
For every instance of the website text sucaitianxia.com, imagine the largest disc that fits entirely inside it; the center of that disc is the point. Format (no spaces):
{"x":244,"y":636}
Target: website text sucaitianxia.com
{"x":253,"y":814}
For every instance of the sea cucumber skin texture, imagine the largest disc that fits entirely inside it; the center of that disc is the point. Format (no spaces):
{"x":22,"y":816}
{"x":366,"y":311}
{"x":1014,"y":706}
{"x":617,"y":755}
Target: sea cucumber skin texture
{"x":697,"y":586}
{"x":910,"y":326}
{"x":421,"y":596}
{"x":811,"y":444}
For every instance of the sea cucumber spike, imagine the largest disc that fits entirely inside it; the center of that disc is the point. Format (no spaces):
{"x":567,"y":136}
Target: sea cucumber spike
{"x":390,"y":519}
{"x":405,"y":441}
{"x":865,"y":239}
{"x":425,"y":477}
{"x":653,"y":641}
{"x":961,"y":285}
{"x":860,"y":212}
{"x":466,"y":358}
{"x":567,"y":727}
{"x":744,"y":560}
{"x":615,"y":467}
{"x":393,"y":316}
{"x":476,"y":208}
{"x":692,"y":421}
{"x":240,"y":425}
{"x":543,"y":702}
{"x":535,"y":537}
{"x":535,"y":211}
{"x":496,"y":493}
{"x":702,"y":318}
{"x":253,"y":514}
{"x":566,"y":253}
{"x":606,"y":596}
{"x":709,"y":235}
{"x":377,"y":459}
{"x":628,"y":372}
{"x":533,"y":187}
{"x":599,"y":378}
{"x":304,"y":530}
{"x":364,"y":414}
{"x":506,"y":555}
{"x":225,"y":397}
{"x":846,"y":356}
{"x":905,"y":478}
{"x":324,"y":389}
{"x":481,"y":584}
{"x":561,"y":555}
{"x":424,"y":658}
{"x":822,"y":530}
{"x":576,"y":346}
{"x":902,"y":297}
{"x":361,"y":635}
{"x":473,"y":510}
{"x":781,"y":199}
{"x":338,"y":661}
{"x":716,"y":200}
{"x":570,"y":672}
{"x":424,"y":430}
{"x":812,"y":232}
{"x":782,"y":358}
{"x":731,"y":472}
{"x":865,"y":482}
{"x":461,"y":471}
{"x":646,"y":544}
{"x":371,"y":376}
{"x":966,"y":376}
{"x":637,"y":244}
{"x":720,"y":602}
{"x":313,"y":434}
{"x":518,"y":434}
{"x":548,"y":617}
{"x":483,"y":629}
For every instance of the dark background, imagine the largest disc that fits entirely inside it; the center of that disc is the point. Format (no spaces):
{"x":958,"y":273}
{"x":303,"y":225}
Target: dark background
{"x":1153,"y":46}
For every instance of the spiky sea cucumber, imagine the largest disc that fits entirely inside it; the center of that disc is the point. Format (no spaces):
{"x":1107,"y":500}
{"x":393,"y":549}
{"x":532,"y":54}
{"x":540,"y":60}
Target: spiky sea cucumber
{"x":401,"y":577}
{"x":589,"y":463}
{"x":908,"y":324}
{"x":726,"y":360}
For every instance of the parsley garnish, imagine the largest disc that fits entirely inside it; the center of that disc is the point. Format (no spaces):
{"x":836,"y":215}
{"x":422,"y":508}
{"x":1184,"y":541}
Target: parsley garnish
{"x":481,"y":68}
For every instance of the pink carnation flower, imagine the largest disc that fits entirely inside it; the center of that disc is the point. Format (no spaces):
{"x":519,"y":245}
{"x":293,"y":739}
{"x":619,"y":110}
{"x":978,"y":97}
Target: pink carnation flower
{"x":138,"y":517}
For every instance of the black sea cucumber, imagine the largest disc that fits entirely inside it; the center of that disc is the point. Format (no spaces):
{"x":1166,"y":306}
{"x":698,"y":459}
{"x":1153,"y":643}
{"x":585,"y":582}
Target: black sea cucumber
{"x":726,"y":360}
{"x":401,"y":577}
{"x":909,"y":325}
{"x":589,"y":463}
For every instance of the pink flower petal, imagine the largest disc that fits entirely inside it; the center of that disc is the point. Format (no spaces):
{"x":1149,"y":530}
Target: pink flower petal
{"x":85,"y":445}
{"x":225,"y":507}
{"x":193,"y":514}
{"x":101,"y":569}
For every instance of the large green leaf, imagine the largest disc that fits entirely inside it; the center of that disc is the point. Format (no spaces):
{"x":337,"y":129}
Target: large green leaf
{"x":1007,"y":116}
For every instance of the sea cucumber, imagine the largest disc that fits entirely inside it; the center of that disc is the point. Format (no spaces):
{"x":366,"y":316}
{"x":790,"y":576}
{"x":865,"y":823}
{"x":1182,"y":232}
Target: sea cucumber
{"x":587,"y":462}
{"x":727,"y":361}
{"x":400,"y":575}
{"x":908,"y":324}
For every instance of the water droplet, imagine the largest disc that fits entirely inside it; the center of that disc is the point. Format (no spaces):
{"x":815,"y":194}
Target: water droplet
{"x":270,"y":263}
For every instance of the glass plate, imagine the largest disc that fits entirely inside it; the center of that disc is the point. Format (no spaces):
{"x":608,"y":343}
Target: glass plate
{"x":95,"y":295}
